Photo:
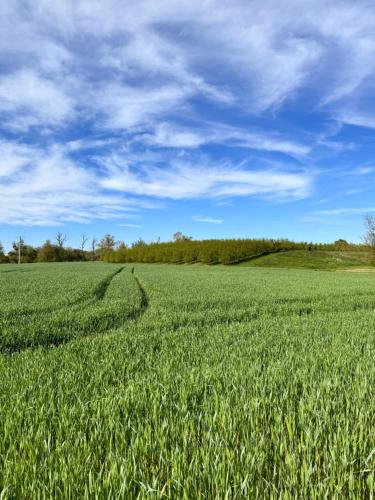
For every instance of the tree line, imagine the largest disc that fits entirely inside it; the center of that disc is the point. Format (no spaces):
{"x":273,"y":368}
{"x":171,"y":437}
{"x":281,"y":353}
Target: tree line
{"x":181,"y":250}
{"x":184,"y":250}
{"x":57,"y":250}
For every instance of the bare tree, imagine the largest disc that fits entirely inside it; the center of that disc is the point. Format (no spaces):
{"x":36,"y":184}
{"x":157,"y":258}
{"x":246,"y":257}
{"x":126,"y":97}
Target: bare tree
{"x":369,"y":236}
{"x":84,"y":240}
{"x":61,"y":239}
{"x":94,"y":244}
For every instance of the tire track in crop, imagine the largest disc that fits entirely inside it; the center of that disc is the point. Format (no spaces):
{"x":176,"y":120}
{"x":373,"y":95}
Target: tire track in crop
{"x":144,"y":300}
{"x":135,"y":315}
{"x":101,"y":289}
{"x":98,"y":296}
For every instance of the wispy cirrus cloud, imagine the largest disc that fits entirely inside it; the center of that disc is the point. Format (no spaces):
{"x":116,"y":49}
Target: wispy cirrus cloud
{"x":129,"y":225}
{"x":56,"y":188}
{"x":345,"y":211}
{"x":94,"y":95}
{"x":264,"y":55}
{"x":193,"y":179}
{"x":175,"y":136}
{"x":208,"y":220}
{"x":336,"y":216}
{"x":30,"y":100}
{"x":47,"y":187}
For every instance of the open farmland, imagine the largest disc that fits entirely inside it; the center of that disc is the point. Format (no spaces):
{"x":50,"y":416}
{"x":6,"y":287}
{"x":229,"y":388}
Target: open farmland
{"x":186,"y":382}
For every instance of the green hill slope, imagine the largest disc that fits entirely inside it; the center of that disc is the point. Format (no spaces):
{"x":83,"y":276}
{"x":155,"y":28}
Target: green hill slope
{"x":313,"y":260}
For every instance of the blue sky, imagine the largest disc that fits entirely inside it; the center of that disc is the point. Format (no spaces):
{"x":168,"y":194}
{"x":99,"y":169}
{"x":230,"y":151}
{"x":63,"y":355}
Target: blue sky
{"x":219,"y":119}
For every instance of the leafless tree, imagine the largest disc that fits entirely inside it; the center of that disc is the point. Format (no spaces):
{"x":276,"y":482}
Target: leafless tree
{"x":61,"y":239}
{"x":94,"y":244}
{"x":84,"y":240}
{"x":369,"y":236}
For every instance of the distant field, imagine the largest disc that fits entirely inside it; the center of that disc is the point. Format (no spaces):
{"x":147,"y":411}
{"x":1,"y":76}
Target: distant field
{"x":316,"y":259}
{"x":186,"y":382}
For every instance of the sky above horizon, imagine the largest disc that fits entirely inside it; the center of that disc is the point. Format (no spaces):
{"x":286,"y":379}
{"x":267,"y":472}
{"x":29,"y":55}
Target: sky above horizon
{"x":217,"y":119}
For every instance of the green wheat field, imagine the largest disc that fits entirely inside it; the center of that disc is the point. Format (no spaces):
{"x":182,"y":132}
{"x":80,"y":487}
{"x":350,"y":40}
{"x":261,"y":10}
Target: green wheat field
{"x":166,"y":381}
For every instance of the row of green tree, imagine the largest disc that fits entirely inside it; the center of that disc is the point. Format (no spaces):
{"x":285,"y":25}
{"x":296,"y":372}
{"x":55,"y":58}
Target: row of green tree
{"x":182,"y":249}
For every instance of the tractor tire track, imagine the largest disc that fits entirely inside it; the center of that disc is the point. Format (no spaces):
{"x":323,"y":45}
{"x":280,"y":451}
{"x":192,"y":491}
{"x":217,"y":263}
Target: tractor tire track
{"x":144,"y":299}
{"x":112,"y":325}
{"x":101,"y":289}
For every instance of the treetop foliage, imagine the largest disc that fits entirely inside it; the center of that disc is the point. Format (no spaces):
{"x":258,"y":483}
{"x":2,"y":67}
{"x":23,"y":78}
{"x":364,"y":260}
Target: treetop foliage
{"x":183,"y":249}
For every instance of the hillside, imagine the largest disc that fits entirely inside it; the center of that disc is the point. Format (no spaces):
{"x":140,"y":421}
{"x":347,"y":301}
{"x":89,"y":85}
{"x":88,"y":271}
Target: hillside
{"x":316,"y":259}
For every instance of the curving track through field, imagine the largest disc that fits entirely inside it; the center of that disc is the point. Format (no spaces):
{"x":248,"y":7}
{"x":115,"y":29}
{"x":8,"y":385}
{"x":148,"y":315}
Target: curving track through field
{"x":117,"y":298}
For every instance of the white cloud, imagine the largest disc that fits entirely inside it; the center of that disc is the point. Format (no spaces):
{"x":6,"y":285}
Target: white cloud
{"x":46,"y":187}
{"x":133,"y":61}
{"x":175,"y":136}
{"x":188,"y":180}
{"x":125,"y":107}
{"x":345,"y":211}
{"x":116,"y":74}
{"x":354,"y":115}
{"x":28,"y":99}
{"x":366,"y":170}
{"x":14,"y":157}
{"x":87,"y":144}
{"x":208,"y":220}
{"x":130,"y":225}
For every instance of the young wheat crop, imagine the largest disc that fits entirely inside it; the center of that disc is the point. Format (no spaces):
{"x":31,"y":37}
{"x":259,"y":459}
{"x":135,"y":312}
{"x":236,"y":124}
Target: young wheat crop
{"x":200,"y":382}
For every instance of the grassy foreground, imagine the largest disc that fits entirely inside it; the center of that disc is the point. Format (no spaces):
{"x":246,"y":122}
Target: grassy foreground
{"x":315,"y":259}
{"x":227,"y":383}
